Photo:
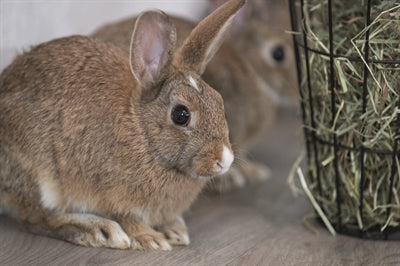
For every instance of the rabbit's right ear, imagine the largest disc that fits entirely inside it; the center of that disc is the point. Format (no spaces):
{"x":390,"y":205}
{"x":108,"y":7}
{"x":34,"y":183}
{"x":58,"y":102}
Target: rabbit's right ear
{"x":206,"y":38}
{"x":152,"y":44}
{"x":240,"y":19}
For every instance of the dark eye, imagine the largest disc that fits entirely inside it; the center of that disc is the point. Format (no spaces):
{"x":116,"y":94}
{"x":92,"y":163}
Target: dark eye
{"x":278,"y":53}
{"x":180,"y":115}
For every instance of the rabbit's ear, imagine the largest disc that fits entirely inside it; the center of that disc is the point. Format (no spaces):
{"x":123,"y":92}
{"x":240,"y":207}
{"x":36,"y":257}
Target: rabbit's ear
{"x":240,"y":19}
{"x":152,"y":45}
{"x":205,"y":39}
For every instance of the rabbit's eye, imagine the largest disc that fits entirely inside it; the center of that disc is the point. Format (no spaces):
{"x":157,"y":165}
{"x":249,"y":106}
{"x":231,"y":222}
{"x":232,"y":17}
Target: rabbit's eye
{"x":180,"y":115}
{"x":278,"y":53}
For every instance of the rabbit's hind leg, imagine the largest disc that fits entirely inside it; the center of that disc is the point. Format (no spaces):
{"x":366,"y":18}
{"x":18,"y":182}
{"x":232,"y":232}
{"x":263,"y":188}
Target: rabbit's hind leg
{"x":34,"y":202}
{"x":82,"y":229}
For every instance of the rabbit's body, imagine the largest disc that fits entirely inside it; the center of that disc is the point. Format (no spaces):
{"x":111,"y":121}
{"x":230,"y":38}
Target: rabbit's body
{"x":61,"y":148}
{"x":76,"y":170}
{"x":104,"y":149}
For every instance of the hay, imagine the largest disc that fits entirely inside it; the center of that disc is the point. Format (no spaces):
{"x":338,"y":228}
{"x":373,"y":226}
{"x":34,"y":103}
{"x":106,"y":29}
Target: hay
{"x":375,"y":129}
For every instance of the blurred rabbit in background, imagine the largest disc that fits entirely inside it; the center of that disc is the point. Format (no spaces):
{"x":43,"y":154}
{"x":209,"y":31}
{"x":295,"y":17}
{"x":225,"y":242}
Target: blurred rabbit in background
{"x":260,"y":39}
{"x":266,"y":82}
{"x":253,"y":71}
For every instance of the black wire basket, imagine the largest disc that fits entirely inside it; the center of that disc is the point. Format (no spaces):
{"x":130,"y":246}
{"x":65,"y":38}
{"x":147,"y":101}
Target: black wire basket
{"x":348,"y":66}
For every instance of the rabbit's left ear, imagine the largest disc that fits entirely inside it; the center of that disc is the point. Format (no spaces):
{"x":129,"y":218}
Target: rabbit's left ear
{"x":206,"y":38}
{"x":152,"y":45}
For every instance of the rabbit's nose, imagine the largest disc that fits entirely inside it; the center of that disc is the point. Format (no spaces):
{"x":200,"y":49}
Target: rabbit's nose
{"x":223,"y":165}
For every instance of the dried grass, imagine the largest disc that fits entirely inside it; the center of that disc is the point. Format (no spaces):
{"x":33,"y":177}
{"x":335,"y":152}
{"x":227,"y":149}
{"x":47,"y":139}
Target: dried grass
{"x":374,"y":129}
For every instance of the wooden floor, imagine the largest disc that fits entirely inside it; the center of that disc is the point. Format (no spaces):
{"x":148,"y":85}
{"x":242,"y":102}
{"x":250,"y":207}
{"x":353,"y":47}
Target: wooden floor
{"x":257,"y":225}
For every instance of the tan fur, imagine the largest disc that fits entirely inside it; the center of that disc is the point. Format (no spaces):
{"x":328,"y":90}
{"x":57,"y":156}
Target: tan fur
{"x":75,"y":121}
{"x":210,"y":30}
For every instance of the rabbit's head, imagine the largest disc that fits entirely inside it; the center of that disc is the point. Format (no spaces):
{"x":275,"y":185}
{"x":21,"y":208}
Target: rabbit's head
{"x":183,"y":117}
{"x":259,"y":35}
{"x":186,"y":128}
{"x":270,"y":52}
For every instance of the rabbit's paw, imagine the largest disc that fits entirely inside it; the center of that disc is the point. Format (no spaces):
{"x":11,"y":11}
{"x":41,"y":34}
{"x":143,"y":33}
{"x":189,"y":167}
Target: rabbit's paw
{"x":177,"y":234}
{"x":177,"y":237}
{"x":107,"y":234}
{"x":153,"y":241}
{"x":84,"y":229}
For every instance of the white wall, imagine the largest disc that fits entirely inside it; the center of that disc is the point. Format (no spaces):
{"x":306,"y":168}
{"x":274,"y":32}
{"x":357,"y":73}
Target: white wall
{"x":28,"y":22}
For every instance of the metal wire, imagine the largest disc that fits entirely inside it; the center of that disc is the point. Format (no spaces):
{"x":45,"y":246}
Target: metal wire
{"x":351,"y":58}
{"x":393,"y":169}
{"x":311,"y":104}
{"x":333,"y":110}
{"x":364,"y":108}
{"x":293,"y":21}
{"x":312,"y":140}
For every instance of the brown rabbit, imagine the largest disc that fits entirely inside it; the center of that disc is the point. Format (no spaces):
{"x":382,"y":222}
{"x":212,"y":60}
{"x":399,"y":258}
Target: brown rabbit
{"x":105,"y":150}
{"x":253,"y":71}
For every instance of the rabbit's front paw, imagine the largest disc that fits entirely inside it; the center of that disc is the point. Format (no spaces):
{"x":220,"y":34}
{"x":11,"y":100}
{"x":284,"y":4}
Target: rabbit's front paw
{"x":177,"y":234}
{"x":111,"y":235}
{"x":177,"y":237}
{"x":153,"y":241}
{"x":106,"y":234}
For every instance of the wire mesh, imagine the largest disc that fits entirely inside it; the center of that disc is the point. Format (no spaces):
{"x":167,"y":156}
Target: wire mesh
{"x":304,"y":54}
